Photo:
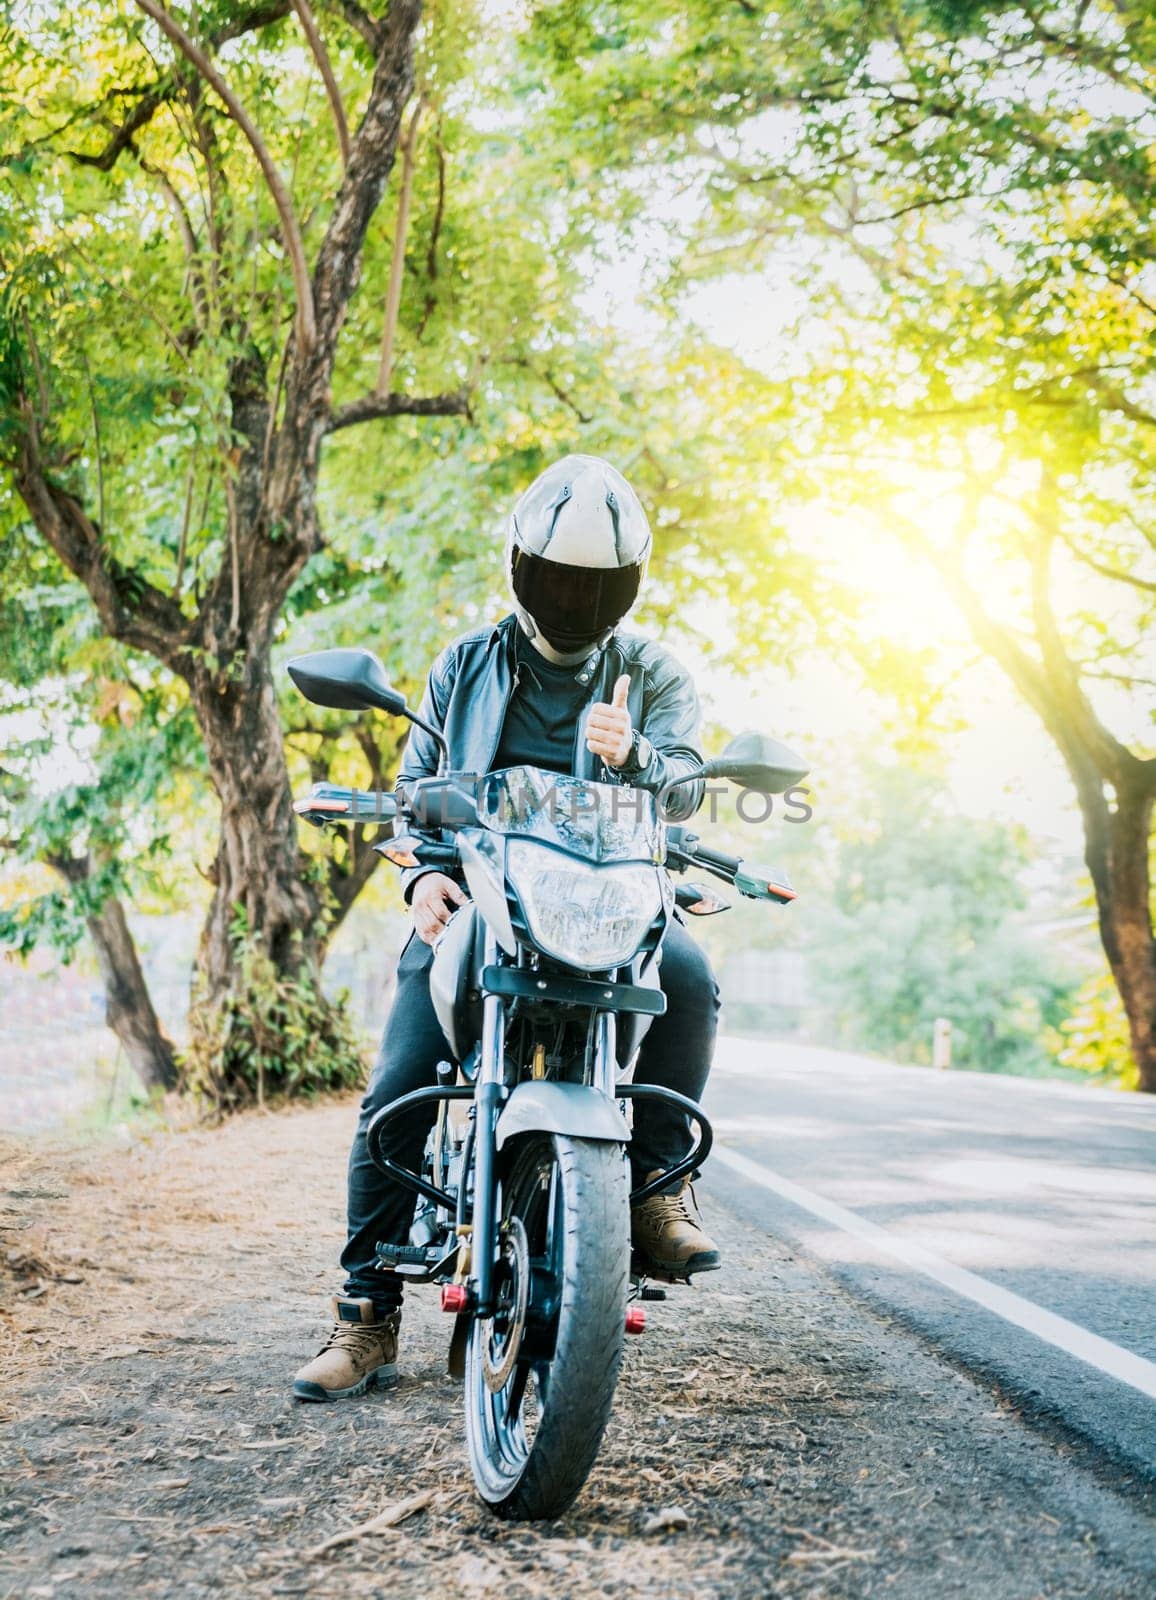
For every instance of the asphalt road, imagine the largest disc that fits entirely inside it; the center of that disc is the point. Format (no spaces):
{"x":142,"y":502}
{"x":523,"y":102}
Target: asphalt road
{"x":1011,"y":1222}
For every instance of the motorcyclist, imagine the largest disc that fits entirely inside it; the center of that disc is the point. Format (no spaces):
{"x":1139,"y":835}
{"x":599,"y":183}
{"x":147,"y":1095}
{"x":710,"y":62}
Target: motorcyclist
{"x":555,"y":685}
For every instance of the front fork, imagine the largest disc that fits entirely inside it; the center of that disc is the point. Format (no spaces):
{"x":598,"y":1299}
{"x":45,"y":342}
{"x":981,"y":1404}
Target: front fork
{"x":489,"y":1094}
{"x":605,"y":1066}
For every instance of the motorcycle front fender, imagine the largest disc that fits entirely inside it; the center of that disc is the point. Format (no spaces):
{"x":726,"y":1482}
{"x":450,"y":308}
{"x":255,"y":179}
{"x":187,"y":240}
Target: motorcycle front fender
{"x":574,"y":1109}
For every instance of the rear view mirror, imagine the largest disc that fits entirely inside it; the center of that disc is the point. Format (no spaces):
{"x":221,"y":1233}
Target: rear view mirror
{"x":758,"y":762}
{"x":346,"y":680}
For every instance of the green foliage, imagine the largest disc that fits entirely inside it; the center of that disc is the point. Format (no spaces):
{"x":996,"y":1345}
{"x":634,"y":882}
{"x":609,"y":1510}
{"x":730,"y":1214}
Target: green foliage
{"x":54,"y":918}
{"x":275,"y":1036}
{"x":97,"y":781}
{"x":954,"y":202}
{"x":947,"y":207}
{"x":1095,"y":1038}
{"x":928,"y":921}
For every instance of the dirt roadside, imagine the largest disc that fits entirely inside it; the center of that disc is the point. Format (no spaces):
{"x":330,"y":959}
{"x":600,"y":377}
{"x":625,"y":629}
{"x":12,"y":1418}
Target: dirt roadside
{"x":158,"y":1296}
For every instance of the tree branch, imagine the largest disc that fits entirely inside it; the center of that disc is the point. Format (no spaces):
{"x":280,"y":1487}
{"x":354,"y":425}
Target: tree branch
{"x":997,"y":640}
{"x":1111,"y":757}
{"x":1128,"y":678}
{"x":397,"y":258}
{"x":1116,"y":400}
{"x":369,"y":748}
{"x":370,"y":162}
{"x":325,"y":68}
{"x":556,"y":389}
{"x":290,"y":231}
{"x":431,"y":258}
{"x":158,"y":94}
{"x":372,"y":406}
{"x":1118,"y":281}
{"x":183,"y":543}
{"x":129,"y":606}
{"x":1104,"y":568}
{"x":122,"y":137}
{"x":98,"y":442}
{"x":362,"y":23}
{"x":348,"y":878}
{"x":73,"y":869}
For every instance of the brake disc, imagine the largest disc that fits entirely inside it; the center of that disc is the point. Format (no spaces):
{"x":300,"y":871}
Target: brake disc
{"x":504,"y":1331}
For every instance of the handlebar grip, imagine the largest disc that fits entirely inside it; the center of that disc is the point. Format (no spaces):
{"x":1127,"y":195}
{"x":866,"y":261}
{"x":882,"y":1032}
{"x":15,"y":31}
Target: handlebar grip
{"x":443,"y":856}
{"x":716,"y":858}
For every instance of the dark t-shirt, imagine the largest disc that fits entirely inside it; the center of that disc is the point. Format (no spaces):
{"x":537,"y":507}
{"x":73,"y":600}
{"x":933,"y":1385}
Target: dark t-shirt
{"x":541,"y":726}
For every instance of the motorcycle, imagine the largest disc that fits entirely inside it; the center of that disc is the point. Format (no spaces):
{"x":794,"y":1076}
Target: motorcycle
{"x":544,"y":984}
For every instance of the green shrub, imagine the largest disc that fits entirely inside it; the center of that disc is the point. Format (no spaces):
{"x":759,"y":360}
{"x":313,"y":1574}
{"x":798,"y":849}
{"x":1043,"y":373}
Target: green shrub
{"x":271,"y":1038}
{"x":1095,"y":1038}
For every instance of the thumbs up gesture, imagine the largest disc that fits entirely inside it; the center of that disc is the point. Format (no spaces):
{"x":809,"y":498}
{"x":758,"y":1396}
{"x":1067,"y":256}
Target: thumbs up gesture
{"x":609,"y":730}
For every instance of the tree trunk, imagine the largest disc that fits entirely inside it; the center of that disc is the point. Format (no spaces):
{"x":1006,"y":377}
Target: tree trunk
{"x":1116,"y":852}
{"x":258,"y":881}
{"x":260,"y":1023}
{"x":128,"y":1007}
{"x":1117,"y":836}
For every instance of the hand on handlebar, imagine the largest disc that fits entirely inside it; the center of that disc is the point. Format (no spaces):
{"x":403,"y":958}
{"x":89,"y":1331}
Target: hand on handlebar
{"x":435,"y":898}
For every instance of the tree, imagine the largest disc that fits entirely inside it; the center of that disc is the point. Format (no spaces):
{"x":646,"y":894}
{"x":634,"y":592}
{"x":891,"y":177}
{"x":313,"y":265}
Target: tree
{"x":228,"y":372}
{"x":249,"y":408}
{"x":961,"y":197}
{"x":927,"y":920}
{"x":132,"y":748}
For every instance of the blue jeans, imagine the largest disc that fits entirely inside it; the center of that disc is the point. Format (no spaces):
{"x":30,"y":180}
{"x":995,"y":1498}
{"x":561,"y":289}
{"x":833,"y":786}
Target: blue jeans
{"x":675,"y":1053}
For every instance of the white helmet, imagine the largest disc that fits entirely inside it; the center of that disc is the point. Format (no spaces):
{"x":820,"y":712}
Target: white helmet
{"x":577,"y":550}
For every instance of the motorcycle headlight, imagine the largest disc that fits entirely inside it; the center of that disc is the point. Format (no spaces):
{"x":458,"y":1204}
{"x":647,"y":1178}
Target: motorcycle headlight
{"x":587,"y":916}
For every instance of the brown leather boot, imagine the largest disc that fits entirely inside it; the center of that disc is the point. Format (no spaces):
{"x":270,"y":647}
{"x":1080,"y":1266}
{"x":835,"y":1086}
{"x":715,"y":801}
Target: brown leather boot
{"x":667,"y":1232}
{"x":360,"y":1351}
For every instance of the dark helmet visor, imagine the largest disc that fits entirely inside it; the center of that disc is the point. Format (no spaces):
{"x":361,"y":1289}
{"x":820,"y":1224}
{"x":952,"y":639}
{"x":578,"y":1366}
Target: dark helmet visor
{"x":578,"y":602}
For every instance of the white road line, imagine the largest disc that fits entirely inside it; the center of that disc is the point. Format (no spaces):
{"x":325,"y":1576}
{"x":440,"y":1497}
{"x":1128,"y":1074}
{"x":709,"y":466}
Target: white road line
{"x":1102,"y":1354}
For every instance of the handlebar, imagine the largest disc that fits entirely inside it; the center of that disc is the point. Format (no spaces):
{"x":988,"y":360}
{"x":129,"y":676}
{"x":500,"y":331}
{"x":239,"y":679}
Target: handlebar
{"x":408,"y":851}
{"x":328,"y":803}
{"x":716,"y":860}
{"x":685,"y":849}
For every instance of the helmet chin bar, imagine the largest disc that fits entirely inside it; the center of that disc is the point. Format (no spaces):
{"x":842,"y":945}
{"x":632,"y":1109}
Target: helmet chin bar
{"x":569,"y":654}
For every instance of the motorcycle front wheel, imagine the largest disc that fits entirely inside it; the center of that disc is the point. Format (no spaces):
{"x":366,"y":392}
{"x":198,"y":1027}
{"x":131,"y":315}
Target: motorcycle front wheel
{"x":541,"y":1372}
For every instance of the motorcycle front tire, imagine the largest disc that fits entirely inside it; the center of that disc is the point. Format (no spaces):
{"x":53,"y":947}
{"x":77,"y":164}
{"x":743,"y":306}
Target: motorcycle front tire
{"x":529,"y":1479}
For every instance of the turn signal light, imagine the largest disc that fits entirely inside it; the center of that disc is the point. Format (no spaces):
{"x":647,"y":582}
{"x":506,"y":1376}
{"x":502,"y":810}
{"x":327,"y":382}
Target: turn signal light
{"x":400,"y":858}
{"x":455,"y":1297}
{"x":635,"y":1319}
